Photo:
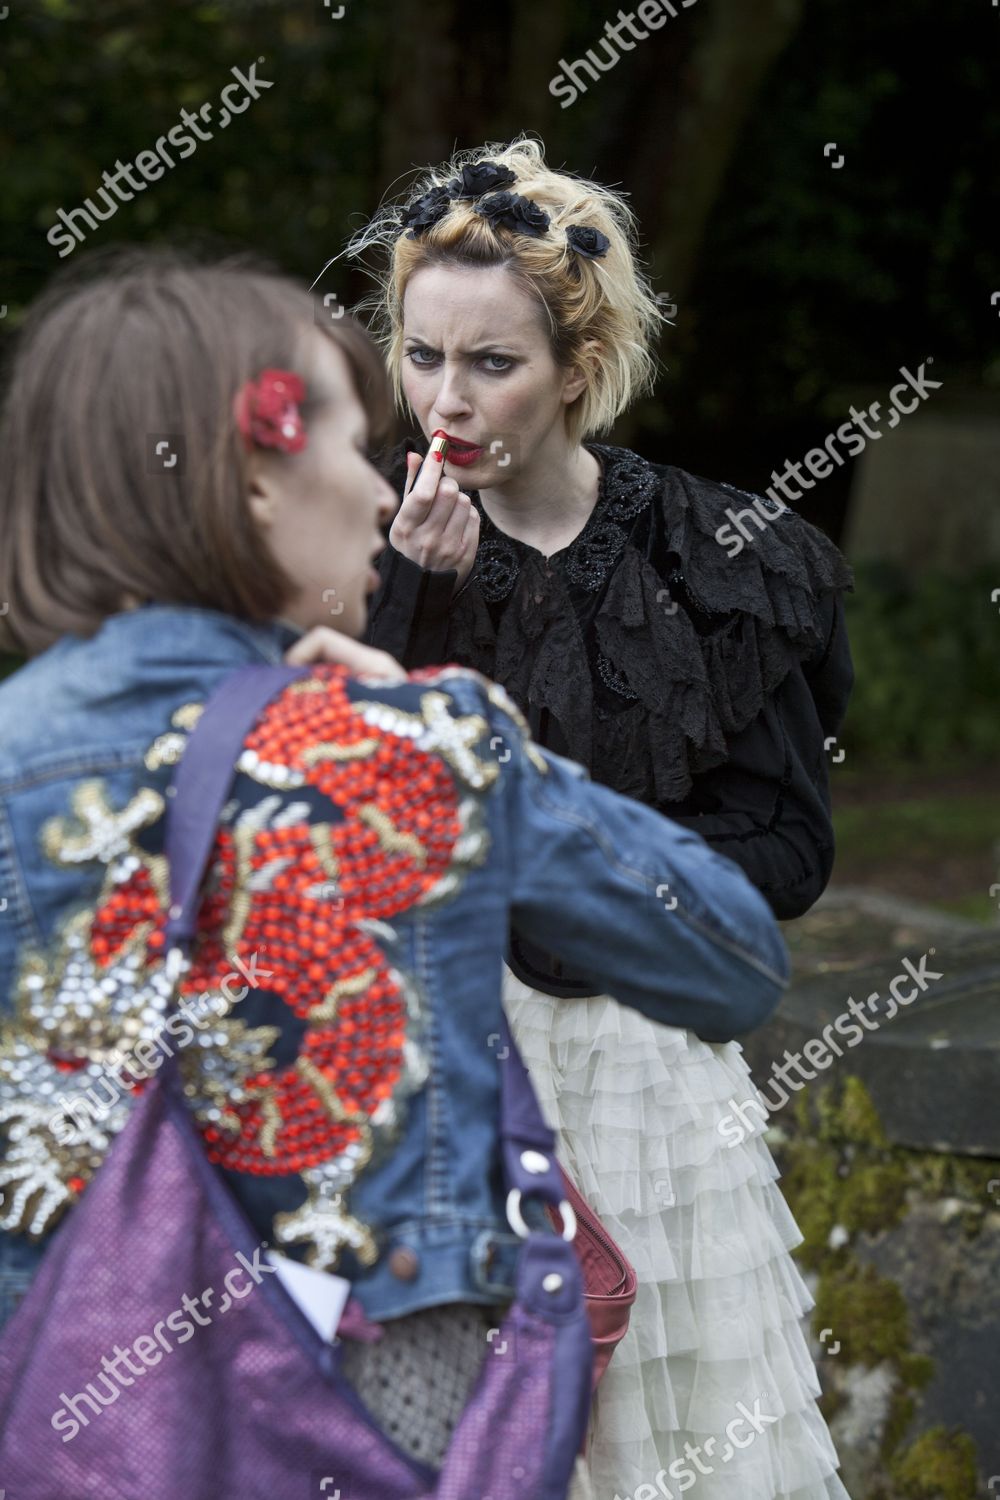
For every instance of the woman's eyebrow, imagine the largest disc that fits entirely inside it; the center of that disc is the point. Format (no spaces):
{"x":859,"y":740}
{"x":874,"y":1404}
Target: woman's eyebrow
{"x":497,"y":348}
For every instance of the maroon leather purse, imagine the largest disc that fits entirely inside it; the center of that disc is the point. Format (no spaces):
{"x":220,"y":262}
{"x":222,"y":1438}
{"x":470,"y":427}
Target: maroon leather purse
{"x":609,"y":1280}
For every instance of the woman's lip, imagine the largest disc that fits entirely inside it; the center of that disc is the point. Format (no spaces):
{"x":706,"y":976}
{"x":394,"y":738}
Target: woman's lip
{"x":463,"y":456}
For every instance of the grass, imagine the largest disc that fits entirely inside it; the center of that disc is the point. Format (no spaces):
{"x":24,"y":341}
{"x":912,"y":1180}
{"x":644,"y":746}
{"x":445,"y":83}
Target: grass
{"x":942,"y":847}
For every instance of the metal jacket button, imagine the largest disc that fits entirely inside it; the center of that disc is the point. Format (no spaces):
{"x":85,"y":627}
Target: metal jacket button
{"x":404,"y":1263}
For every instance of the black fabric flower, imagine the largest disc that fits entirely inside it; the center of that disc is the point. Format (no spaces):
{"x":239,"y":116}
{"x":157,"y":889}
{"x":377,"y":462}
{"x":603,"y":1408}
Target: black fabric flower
{"x":510,"y":211}
{"x":497,"y":568}
{"x":590,"y":243}
{"x":482,"y":177}
{"x":425,"y":211}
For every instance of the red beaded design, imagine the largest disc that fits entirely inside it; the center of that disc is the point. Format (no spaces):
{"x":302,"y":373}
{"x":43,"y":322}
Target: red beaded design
{"x":309,"y":936}
{"x":358,"y":823}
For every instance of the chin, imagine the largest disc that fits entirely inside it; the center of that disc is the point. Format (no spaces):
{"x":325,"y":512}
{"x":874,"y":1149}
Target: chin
{"x":351,"y":621}
{"x":486,"y":473}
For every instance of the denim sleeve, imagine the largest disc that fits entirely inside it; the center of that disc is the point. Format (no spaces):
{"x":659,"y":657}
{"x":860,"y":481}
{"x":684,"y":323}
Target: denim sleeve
{"x":638,"y":904}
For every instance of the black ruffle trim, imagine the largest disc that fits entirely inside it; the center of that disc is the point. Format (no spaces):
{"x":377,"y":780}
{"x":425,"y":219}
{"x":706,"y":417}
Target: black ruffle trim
{"x":692,"y":688}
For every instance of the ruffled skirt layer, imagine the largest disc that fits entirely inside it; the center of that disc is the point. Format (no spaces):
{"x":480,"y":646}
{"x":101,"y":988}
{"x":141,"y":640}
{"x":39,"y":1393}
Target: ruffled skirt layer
{"x":715,"y":1360}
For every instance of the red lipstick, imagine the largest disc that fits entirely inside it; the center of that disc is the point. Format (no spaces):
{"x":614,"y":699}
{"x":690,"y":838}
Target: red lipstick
{"x":439,"y":445}
{"x":463,"y":453}
{"x":436,"y":453}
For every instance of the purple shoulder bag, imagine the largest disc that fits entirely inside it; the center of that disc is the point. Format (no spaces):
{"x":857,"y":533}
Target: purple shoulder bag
{"x":105,"y":1392}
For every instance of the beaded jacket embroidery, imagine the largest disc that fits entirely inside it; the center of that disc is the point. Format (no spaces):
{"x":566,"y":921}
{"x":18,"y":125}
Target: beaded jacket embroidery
{"x":344,"y":814}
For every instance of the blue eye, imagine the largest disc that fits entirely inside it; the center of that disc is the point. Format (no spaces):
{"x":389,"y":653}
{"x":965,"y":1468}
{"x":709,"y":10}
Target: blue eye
{"x":423,"y":358}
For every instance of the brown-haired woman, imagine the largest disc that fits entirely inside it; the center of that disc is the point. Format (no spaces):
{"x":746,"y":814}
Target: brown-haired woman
{"x":702,"y":680}
{"x":190,"y":542}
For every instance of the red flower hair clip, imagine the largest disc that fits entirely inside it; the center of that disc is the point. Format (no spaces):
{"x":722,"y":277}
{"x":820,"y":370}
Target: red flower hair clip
{"x":267,"y":411}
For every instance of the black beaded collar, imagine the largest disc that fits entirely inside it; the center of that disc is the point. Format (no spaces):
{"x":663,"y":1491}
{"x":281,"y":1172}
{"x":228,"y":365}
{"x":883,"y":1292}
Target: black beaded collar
{"x":628,"y":484}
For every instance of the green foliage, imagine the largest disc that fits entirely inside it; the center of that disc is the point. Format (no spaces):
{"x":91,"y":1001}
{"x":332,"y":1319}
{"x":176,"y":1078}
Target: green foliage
{"x":816,"y":280}
{"x":921,"y":828}
{"x":940,"y":1465}
{"x":808,"y":279}
{"x":87,"y":85}
{"x":927,"y":669}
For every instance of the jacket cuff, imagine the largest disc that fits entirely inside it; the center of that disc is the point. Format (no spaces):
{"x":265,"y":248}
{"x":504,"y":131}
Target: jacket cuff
{"x":409,"y":617}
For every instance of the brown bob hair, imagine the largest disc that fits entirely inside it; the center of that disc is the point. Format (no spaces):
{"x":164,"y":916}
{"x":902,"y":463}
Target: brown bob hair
{"x":130,"y":349}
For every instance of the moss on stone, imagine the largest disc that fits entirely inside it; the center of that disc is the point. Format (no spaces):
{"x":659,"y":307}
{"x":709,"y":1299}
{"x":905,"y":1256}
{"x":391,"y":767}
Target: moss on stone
{"x":802,"y":1111}
{"x":939,"y":1465}
{"x":839,"y":1169}
{"x":858,"y":1117}
{"x":873,"y":1196}
{"x":812,"y":1188}
{"x":849,"y":1176}
{"x":902,"y":1408}
{"x":938,"y":1175}
{"x":827,"y":1113}
{"x":916,"y":1369}
{"x":866,"y":1311}
{"x":843,"y":1170}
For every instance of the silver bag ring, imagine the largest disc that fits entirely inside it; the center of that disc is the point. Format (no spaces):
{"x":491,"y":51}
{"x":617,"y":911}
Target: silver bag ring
{"x":515,"y":1218}
{"x":176,"y":964}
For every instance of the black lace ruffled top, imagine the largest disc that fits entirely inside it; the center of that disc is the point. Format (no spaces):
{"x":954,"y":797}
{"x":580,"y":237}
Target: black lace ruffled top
{"x":703,"y":683}
{"x":639,"y":647}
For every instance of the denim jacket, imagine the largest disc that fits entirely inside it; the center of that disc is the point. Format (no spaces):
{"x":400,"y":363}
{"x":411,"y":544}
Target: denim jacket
{"x":338,"y":1031}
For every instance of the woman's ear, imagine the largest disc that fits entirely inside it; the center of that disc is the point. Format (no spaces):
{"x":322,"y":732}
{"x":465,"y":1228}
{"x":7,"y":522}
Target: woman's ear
{"x":584,"y":368}
{"x":263,"y":494}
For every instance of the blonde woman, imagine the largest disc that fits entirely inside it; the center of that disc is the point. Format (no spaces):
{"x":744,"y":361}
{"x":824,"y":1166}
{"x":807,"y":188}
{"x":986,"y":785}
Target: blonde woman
{"x":608,"y":595}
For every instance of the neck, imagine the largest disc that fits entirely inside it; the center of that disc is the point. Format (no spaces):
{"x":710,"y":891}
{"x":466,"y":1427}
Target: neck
{"x":548,"y":503}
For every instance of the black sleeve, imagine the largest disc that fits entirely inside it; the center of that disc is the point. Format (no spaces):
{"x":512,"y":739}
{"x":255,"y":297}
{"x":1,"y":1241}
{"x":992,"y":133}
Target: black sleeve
{"x":409,"y":614}
{"x":768,"y":807}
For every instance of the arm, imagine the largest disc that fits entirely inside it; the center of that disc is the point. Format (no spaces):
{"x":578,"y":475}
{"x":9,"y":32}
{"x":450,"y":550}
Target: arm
{"x":435,"y":527}
{"x":768,"y":807}
{"x":409,"y":614}
{"x":639,"y":905}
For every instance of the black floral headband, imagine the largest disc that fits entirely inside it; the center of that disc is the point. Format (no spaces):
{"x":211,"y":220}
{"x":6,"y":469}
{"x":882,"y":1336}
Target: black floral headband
{"x":488,"y":181}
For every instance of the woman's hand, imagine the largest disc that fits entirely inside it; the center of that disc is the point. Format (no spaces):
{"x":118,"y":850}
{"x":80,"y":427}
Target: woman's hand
{"x":323,"y":643}
{"x":437,"y":526}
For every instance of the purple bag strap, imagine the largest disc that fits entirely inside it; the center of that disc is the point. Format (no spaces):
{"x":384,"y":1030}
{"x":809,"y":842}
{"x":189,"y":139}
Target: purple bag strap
{"x":201,"y":783}
{"x":197,"y":794}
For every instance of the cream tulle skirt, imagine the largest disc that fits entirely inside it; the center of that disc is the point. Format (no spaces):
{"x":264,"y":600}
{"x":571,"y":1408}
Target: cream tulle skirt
{"x":717,"y":1318}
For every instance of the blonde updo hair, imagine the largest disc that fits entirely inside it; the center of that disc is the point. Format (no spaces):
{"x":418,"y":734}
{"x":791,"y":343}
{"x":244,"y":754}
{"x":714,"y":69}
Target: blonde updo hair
{"x":601,"y":313}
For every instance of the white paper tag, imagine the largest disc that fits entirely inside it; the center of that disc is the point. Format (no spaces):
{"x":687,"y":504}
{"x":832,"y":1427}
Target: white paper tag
{"x":321,"y":1297}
